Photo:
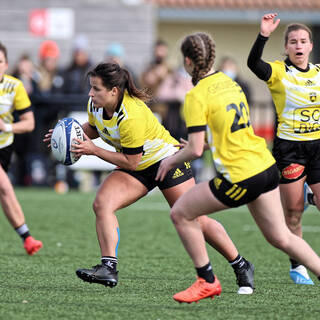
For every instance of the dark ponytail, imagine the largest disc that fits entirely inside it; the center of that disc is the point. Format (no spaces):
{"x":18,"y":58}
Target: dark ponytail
{"x":112,"y":75}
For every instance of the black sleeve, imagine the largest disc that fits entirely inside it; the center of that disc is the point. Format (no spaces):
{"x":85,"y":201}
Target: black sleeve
{"x":19,"y":112}
{"x":132,"y":150}
{"x":196,"y":129}
{"x":259,"y":67}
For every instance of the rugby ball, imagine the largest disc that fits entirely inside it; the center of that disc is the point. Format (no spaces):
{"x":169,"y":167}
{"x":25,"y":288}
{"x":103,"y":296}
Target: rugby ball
{"x":63,"y":136}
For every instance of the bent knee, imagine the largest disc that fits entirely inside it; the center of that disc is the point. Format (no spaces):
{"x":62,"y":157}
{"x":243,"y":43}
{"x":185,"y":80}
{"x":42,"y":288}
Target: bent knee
{"x":179,"y":214}
{"x":101,"y":206}
{"x":208,"y":225}
{"x":293,"y":220}
{"x":280,"y":242}
{"x":176,"y":214}
{"x":294,"y":210}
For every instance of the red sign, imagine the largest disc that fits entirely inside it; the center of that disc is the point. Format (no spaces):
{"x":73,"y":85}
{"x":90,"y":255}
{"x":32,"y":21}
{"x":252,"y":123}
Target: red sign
{"x":38,"y":22}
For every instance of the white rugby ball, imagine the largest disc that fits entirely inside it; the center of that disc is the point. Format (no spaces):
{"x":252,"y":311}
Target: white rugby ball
{"x":63,"y":136}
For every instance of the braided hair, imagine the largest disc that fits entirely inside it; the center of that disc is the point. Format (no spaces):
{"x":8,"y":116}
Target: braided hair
{"x":200,"y":48}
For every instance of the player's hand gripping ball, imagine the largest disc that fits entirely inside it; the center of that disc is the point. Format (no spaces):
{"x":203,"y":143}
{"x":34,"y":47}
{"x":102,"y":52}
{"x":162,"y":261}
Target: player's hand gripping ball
{"x":63,"y":136}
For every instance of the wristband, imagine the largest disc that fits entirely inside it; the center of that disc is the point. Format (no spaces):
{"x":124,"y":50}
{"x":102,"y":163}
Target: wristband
{"x":7,"y":127}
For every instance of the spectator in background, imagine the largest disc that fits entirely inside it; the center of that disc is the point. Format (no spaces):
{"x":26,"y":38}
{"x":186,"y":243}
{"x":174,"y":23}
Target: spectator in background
{"x":47,"y":106}
{"x":75,"y":81}
{"x":25,"y":71}
{"x":50,"y":82}
{"x":154,"y":75}
{"x":171,"y":92}
{"x":115,"y":53}
{"x":229,"y":67}
{"x":22,"y":145}
{"x":50,"y":77}
{"x":158,"y":69}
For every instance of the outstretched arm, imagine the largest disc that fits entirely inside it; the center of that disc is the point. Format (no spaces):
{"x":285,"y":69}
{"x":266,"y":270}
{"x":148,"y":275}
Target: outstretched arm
{"x":259,"y":67}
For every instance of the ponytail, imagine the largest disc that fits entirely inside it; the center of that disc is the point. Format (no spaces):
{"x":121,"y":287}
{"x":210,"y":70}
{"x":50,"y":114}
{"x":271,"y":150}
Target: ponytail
{"x":112,"y":75}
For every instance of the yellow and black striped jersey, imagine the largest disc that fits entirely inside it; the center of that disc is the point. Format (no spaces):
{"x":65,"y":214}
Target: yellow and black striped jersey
{"x":13,"y":96}
{"x":219,"y":103}
{"x":133,"y":129}
{"x":296,"y":95}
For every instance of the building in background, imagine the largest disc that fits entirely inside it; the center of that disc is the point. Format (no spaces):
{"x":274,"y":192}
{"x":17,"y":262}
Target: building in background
{"x":234,"y":26}
{"x":25,"y":24}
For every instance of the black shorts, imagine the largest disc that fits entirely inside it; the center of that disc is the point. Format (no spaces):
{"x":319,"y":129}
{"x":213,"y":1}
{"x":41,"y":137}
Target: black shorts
{"x":174,"y":177}
{"x":296,"y":159}
{"x":5,"y":157}
{"x":240,"y":193}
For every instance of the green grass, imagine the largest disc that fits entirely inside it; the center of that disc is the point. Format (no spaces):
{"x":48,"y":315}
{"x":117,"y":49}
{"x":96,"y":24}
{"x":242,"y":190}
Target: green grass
{"x":152,"y":266}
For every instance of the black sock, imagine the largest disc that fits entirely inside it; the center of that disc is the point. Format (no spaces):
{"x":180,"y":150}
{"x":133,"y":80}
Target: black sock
{"x":206,"y":273}
{"x":310,"y":198}
{"x":319,"y":278}
{"x":110,"y":262}
{"x":238,"y":263}
{"x":294,"y":263}
{"x":23,"y":232}
{"x":25,"y":235}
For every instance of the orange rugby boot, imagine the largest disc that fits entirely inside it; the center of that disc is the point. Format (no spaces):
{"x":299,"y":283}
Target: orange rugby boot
{"x":199,"y":290}
{"x":32,"y":245}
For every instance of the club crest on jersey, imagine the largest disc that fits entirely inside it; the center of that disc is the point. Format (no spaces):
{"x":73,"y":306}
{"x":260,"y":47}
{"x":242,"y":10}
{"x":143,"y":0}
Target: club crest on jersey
{"x":313,"y":96}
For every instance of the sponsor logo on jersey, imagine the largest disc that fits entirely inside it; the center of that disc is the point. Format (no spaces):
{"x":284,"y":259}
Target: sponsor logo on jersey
{"x":293,"y":171}
{"x":306,"y":120}
{"x":309,"y":83}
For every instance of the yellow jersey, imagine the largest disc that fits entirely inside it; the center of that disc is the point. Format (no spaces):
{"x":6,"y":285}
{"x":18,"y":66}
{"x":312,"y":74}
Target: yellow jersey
{"x":133,"y":129}
{"x":296,"y":95}
{"x":219,"y":103}
{"x":13,"y":96}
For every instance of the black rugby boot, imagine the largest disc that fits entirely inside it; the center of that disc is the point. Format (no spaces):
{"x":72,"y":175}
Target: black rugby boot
{"x":245,"y":279}
{"x":99,"y":274}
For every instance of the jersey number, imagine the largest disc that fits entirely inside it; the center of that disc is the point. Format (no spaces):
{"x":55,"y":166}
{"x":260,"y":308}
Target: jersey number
{"x":239,"y":116}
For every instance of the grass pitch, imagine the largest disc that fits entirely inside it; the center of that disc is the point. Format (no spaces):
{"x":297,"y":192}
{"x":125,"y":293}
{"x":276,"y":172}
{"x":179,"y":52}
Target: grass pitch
{"x":152,"y":266}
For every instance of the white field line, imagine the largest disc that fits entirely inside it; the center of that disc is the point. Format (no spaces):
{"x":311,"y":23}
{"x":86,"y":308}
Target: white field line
{"x":310,"y":229}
